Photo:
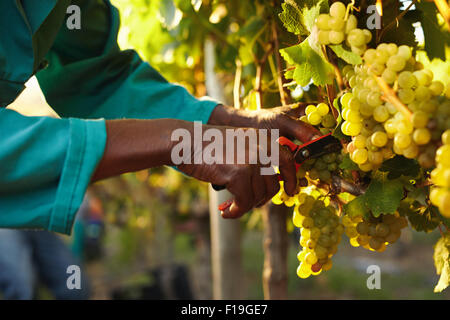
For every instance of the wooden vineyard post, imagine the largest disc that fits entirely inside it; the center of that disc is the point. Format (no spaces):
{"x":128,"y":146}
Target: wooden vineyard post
{"x":225,"y":234}
{"x":275,"y":252}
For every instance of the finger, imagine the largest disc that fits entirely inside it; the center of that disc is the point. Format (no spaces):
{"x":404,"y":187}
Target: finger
{"x":243,"y":197}
{"x":259,"y":186}
{"x":272,"y":187}
{"x":287,"y":171}
{"x":297,"y":128}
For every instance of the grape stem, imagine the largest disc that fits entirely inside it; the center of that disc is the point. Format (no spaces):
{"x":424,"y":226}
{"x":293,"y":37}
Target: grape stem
{"x":390,"y":96}
{"x":340,"y":185}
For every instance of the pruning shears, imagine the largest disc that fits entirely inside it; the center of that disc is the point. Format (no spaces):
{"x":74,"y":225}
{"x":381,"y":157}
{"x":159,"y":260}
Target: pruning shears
{"x":311,"y":150}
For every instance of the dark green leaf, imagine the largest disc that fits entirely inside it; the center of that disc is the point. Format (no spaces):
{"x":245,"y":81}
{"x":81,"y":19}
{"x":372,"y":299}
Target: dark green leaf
{"x":347,"y":163}
{"x":399,"y":166}
{"x":357,"y":207}
{"x":383,"y":196}
{"x":424,"y":220}
{"x":436,"y":37}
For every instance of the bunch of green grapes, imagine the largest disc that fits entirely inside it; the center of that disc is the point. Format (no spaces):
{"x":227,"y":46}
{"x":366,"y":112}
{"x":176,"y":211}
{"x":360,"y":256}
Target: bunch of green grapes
{"x":377,"y":128}
{"x":338,"y":26}
{"x":374,"y":233}
{"x":319,"y":116}
{"x":321,"y":168}
{"x":321,"y":232}
{"x":440,"y":176}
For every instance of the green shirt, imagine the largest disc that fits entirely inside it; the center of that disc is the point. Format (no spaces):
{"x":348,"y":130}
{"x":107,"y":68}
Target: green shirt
{"x":46,"y":164}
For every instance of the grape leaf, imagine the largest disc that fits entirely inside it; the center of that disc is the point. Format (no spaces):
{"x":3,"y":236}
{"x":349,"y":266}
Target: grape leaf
{"x":299,"y":17}
{"x":312,"y":65}
{"x":347,"y":163}
{"x":346,"y":55}
{"x":337,"y":132}
{"x":357,"y":207}
{"x":311,"y":11}
{"x":441,"y":258}
{"x":292,"y":17}
{"x":383,"y":196}
{"x":435,"y":36}
{"x":399,"y":166}
{"x":420,"y":219}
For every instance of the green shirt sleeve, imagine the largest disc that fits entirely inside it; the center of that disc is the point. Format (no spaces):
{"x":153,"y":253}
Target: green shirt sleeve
{"x":90,"y":77}
{"x":46,"y":166}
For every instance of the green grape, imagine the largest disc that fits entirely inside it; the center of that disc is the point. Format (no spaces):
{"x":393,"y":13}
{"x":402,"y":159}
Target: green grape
{"x":354,"y":104}
{"x":406,"y":95}
{"x":402,"y":140}
{"x":446,"y":137}
{"x":336,"y":24}
{"x":359,"y":156}
{"x":391,"y":48}
{"x":380,"y":113}
{"x":322,"y":109}
{"x":389,"y":76}
{"x":359,"y":141}
{"x":379,"y":139}
{"x":406,"y":80}
{"x":443,"y":155}
{"x":367,"y":35}
{"x":345,"y":98}
{"x":419,"y":119}
{"x":382,"y":55}
{"x":370,"y":55}
{"x":351,"y":23}
{"x":328,"y":121}
{"x":323,"y":37}
{"x":382,"y":230}
{"x":337,"y":10}
{"x":374,"y":99}
{"x":314,"y":118}
{"x":411,"y":152}
{"x":396,"y":63}
{"x":404,"y":52}
{"x":436,"y":88}
{"x":422,"y":93}
{"x":421,"y":136}
{"x":359,"y":50}
{"x":323,"y":21}
{"x":336,"y":37}
{"x":356,"y":38}
{"x":310,"y":108}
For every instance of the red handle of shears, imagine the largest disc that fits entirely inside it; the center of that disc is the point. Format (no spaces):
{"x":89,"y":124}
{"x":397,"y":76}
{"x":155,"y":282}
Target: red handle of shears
{"x":282,"y":141}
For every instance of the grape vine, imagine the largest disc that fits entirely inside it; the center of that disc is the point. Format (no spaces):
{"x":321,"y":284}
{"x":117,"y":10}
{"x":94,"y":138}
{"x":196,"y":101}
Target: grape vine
{"x":393,"y":120}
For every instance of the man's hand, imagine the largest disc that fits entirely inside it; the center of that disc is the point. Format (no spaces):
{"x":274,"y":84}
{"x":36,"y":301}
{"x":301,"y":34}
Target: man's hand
{"x":286,"y":119}
{"x":244,"y":178}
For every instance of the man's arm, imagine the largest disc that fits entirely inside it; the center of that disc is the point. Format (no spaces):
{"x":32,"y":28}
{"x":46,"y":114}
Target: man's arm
{"x":90,"y":77}
{"x":46,"y":166}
